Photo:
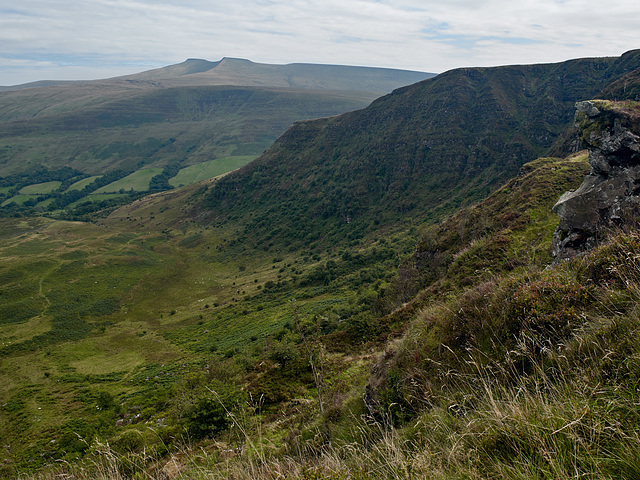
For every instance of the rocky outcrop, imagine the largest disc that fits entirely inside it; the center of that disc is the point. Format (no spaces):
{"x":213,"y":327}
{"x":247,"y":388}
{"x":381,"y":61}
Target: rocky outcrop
{"x":610,"y":195}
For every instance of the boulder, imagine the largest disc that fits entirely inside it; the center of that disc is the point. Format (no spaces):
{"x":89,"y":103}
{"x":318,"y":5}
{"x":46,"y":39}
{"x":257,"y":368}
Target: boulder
{"x":610,"y":195}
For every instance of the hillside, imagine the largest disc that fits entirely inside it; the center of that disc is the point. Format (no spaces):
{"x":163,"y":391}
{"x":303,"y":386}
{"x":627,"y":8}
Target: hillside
{"x":417,"y":153}
{"x":106,"y":129}
{"x":318,"y":314}
{"x":121,"y":315}
{"x":453,"y":397}
{"x":222,"y":114}
{"x":237,"y":71}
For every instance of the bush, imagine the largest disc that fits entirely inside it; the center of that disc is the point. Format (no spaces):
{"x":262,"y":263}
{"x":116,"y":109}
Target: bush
{"x":284,"y":349}
{"x":128,"y":441}
{"x":76,"y":435}
{"x":212,"y":414}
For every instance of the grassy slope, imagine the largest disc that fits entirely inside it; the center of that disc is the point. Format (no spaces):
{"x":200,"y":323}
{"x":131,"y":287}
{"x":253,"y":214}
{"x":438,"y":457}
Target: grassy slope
{"x":523,"y":372}
{"x":95,"y":312}
{"x":160,"y":126}
{"x":39,"y":188}
{"x":80,"y":184}
{"x":188,"y":297}
{"x":210,"y":169}
{"x":491,"y":374}
{"x":18,"y":199}
{"x":466,"y":131}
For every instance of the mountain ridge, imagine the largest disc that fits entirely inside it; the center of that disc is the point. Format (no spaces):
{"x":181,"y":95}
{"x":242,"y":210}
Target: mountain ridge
{"x":244,"y":72}
{"x":221,"y":114}
{"x":472,"y":128}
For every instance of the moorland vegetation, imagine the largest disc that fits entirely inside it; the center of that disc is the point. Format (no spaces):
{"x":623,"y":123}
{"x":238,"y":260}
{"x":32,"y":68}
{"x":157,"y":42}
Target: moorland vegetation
{"x":287,"y":321}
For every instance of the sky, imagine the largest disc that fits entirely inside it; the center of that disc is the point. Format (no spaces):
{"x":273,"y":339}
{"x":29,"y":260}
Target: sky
{"x":91,"y":39}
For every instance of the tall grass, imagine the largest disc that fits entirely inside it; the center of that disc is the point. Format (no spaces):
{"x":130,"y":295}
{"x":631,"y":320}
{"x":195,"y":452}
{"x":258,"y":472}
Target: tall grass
{"x":542,"y":403}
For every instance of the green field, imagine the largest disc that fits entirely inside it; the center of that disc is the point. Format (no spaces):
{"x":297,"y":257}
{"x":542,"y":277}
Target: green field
{"x":138,"y":181}
{"x":40,"y":188}
{"x":97,"y":197}
{"x":19,"y":199}
{"x":80,"y":184}
{"x":45,"y":203}
{"x":210,"y":169}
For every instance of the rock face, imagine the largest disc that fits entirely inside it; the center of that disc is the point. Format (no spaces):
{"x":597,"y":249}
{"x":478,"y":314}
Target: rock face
{"x":610,"y":195}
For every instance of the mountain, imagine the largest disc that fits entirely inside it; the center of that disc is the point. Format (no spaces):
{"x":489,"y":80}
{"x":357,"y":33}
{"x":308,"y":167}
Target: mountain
{"x":237,"y":71}
{"x":417,"y":153}
{"x":242,"y":72}
{"x":307,"y":317}
{"x":221,"y":113}
{"x":96,"y":128}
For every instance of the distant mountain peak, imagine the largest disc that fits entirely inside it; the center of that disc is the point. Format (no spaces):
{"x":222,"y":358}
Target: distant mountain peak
{"x":235,"y":60}
{"x":233,"y":71}
{"x":193,"y":65}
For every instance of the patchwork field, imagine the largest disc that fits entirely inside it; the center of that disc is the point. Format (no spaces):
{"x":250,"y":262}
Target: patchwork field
{"x":18,"y":199}
{"x":210,"y":169}
{"x":80,"y":184}
{"x":26,"y":197}
{"x":40,"y":188}
{"x":138,"y":181}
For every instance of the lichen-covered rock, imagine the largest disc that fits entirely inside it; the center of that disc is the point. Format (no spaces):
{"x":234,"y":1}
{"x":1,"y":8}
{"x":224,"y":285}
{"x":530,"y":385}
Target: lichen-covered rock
{"x":610,"y":195}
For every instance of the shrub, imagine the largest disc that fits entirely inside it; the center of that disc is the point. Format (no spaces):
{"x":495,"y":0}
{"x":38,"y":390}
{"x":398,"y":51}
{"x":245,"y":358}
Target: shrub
{"x":128,"y":441}
{"x":212,"y":413}
{"x":548,"y":307}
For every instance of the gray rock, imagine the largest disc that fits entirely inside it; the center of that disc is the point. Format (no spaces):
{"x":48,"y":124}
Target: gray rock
{"x":587,"y":107}
{"x":610,"y":195}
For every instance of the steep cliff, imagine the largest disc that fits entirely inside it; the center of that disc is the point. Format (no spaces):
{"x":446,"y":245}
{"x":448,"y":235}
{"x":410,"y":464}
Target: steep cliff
{"x":610,"y":195}
{"x":417,"y":154}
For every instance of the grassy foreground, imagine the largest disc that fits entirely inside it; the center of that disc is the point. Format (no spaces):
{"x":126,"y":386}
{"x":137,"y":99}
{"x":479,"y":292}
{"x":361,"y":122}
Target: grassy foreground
{"x":546,"y":410}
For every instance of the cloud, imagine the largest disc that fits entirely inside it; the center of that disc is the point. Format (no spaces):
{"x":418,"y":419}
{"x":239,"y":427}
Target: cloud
{"x":49,"y":35}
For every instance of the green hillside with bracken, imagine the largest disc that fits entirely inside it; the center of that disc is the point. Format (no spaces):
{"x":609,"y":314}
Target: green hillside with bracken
{"x":331,"y":311}
{"x":414,"y":155}
{"x":117,"y":331}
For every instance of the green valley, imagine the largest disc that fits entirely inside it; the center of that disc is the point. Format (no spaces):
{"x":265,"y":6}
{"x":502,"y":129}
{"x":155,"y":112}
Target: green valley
{"x":108,"y":312}
{"x":374,"y":297}
{"x":222,"y":113}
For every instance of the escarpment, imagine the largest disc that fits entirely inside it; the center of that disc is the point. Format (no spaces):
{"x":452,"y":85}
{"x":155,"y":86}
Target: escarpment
{"x":609,"y":196}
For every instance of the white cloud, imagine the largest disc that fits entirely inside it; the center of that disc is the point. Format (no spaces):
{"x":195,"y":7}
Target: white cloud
{"x":46,"y":35}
